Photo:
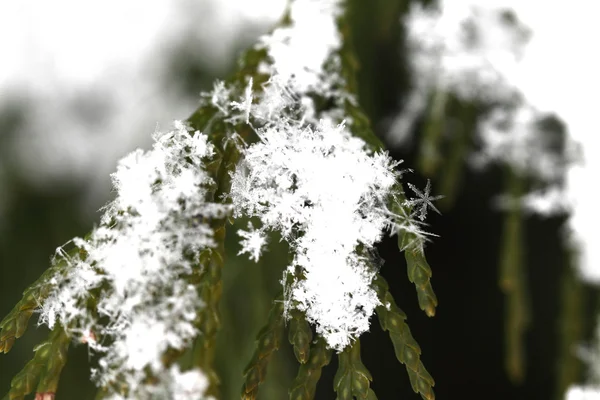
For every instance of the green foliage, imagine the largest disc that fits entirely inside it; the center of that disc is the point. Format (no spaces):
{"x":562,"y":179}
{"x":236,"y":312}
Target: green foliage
{"x":209,"y":317}
{"x":267,"y":341}
{"x":45,"y":367}
{"x":309,"y":373}
{"x":14,"y":325}
{"x":353,"y":379}
{"x":300,"y":336}
{"x":513,"y":284}
{"x":408,"y":352}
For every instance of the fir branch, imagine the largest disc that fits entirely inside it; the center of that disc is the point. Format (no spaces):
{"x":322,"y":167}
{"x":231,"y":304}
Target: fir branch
{"x":419,"y":271}
{"x":45,"y":367}
{"x":513,"y":283}
{"x":408,"y":352}
{"x":352,"y":379}
{"x":359,"y":123}
{"x":267,"y":341}
{"x":300,"y":335}
{"x":430,"y":156}
{"x":209,"y":315}
{"x":14,"y":325}
{"x":309,"y":373}
{"x":571,"y":326}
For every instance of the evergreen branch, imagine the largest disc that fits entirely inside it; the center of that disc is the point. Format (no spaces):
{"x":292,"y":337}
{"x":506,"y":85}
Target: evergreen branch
{"x":211,"y":264}
{"x":267,"y":341}
{"x":300,"y":336}
{"x":309,"y":373}
{"x":512,"y":283}
{"x":571,"y":327}
{"x":360,"y":124}
{"x":44,"y":369}
{"x":211,"y":288}
{"x":451,"y":173}
{"x":408,"y":352}
{"x":431,"y":141}
{"x":14,"y":325}
{"x":352,"y":379}
{"x":419,"y":271}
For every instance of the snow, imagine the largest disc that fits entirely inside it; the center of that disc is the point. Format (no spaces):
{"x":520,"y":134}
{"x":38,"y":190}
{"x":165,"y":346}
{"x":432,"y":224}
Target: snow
{"x":135,"y":262}
{"x":582,"y":393}
{"x":253,"y":242}
{"x":326,"y":195}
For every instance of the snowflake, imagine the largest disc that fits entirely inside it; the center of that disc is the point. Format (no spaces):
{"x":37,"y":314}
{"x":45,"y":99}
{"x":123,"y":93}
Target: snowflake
{"x":253,"y":241}
{"x":424,"y":201}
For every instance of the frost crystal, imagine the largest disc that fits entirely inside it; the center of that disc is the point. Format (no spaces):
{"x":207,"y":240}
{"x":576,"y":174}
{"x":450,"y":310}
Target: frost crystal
{"x":133,"y":265}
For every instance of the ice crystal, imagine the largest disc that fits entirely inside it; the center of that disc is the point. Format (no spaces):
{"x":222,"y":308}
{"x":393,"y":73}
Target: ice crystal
{"x":253,"y":242}
{"x":424,"y":200}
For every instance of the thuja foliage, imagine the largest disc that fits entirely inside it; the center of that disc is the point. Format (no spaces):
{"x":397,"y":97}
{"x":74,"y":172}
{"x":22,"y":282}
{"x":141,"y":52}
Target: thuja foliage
{"x":284,"y":142}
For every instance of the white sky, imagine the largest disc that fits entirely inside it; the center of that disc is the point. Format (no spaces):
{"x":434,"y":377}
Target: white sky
{"x":75,"y":41}
{"x":52,"y":52}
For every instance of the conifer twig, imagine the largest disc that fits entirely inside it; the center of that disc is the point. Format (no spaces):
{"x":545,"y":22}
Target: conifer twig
{"x":209,"y":319}
{"x":45,"y":367}
{"x":352,"y":379}
{"x":267,"y":341}
{"x":512,"y":283}
{"x":305,"y":383}
{"x":419,"y":273}
{"x":408,"y":352}
{"x":451,"y":172}
{"x":300,"y":336}
{"x":571,"y":329}
{"x":431,"y":142}
{"x":14,"y":325}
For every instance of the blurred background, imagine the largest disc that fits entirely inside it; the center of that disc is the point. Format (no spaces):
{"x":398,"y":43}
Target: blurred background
{"x":83,"y":83}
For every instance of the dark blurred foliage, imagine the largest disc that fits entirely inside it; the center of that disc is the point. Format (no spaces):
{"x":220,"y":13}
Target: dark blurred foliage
{"x":463,"y":345}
